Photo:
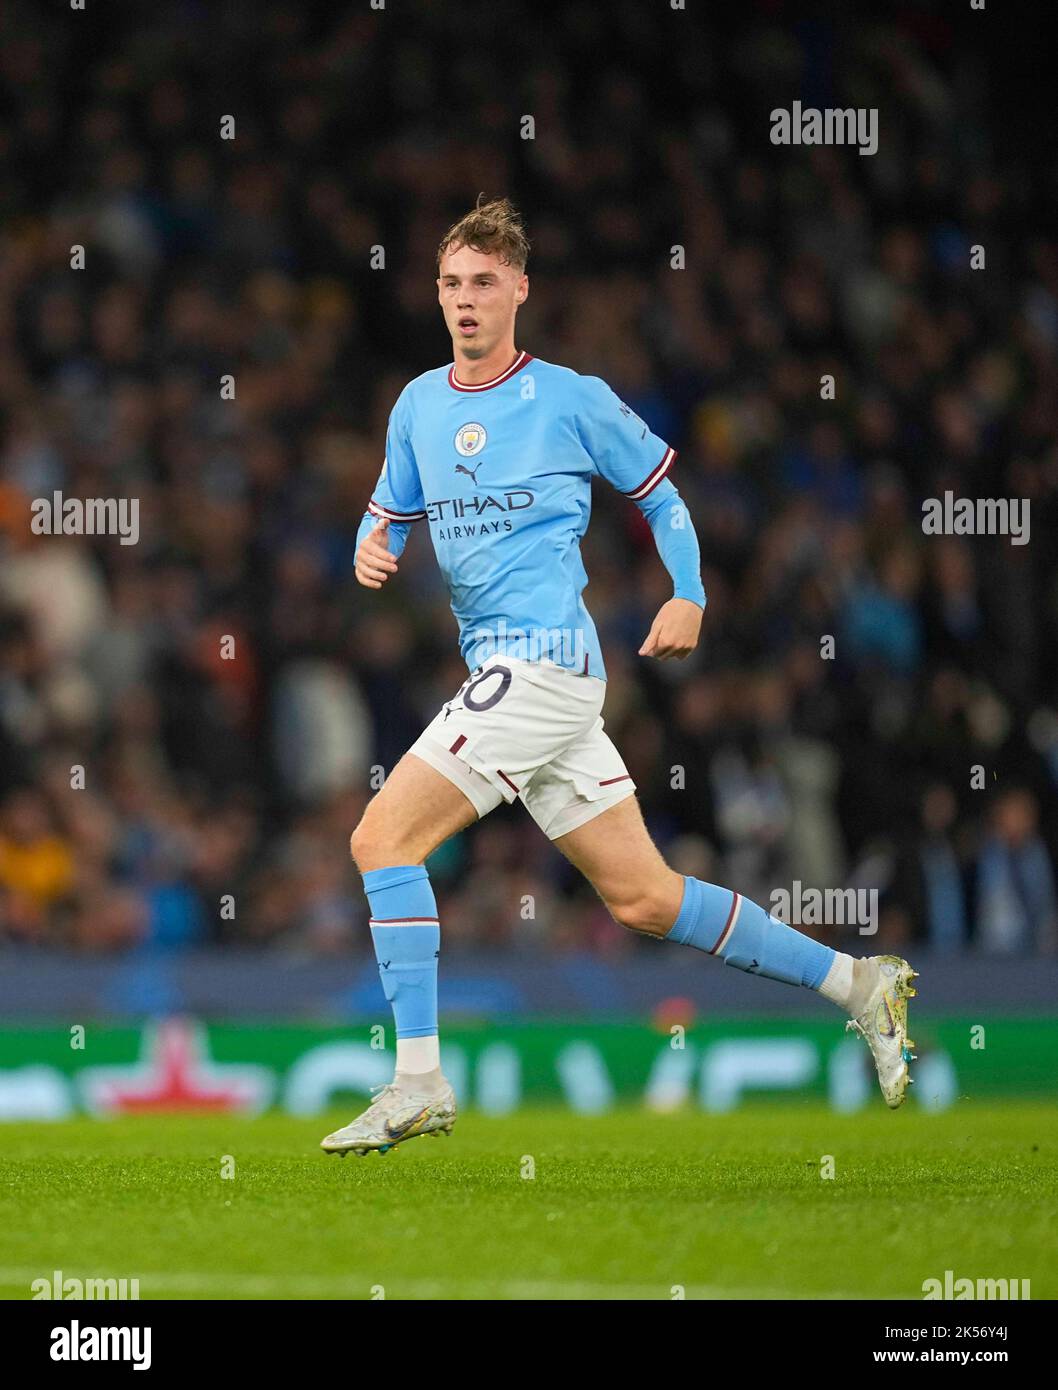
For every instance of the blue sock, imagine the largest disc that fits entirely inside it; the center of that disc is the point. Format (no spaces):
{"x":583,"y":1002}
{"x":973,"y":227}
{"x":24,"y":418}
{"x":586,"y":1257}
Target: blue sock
{"x":407,"y":937}
{"x":726,"y":924}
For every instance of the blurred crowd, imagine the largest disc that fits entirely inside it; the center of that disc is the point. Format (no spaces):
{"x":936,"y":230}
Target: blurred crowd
{"x":190,"y":726}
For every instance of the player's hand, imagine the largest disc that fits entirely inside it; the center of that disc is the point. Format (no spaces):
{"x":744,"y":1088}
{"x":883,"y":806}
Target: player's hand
{"x":675,"y":631}
{"x":374,"y":563}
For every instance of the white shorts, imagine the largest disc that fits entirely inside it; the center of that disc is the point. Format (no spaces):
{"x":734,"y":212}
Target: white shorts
{"x":531,"y":731}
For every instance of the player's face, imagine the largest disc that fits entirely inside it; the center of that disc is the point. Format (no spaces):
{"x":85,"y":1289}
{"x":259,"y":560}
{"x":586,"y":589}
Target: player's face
{"x":479,"y":296}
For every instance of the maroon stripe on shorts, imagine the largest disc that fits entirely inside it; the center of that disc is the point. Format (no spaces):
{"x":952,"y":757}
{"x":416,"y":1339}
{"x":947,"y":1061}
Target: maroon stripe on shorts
{"x":625,"y":777}
{"x":458,"y":743}
{"x":508,"y":780}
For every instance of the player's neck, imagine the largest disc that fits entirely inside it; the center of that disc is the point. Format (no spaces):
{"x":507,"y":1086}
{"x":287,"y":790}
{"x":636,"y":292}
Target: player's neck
{"x":480,"y":369}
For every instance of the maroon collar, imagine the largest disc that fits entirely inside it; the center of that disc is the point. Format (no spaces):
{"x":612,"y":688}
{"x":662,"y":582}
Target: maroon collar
{"x":521,"y":360}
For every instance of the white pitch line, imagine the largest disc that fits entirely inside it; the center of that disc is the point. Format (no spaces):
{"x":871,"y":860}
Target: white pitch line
{"x":353,"y":1286}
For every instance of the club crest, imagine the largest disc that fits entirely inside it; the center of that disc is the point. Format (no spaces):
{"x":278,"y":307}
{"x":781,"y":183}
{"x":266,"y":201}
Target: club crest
{"x":470,"y":439}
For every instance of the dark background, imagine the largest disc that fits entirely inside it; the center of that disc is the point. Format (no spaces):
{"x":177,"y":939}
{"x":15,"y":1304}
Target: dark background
{"x":358,"y":129}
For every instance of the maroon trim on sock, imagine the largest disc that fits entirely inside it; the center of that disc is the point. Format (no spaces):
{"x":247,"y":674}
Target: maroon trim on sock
{"x":727,"y":924}
{"x":385,"y":921}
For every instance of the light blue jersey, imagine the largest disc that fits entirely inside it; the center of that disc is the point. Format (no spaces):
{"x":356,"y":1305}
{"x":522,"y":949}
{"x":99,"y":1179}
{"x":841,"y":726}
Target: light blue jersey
{"x":501,"y":472}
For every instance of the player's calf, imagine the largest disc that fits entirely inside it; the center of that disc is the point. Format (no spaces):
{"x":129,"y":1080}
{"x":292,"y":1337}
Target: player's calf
{"x":649,"y":910}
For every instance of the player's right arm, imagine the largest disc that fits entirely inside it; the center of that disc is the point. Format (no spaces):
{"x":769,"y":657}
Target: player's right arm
{"x":374,"y":562}
{"x":396,"y":502}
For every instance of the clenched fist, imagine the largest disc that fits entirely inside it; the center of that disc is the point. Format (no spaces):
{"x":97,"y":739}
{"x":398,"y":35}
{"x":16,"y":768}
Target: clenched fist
{"x":374,"y":563}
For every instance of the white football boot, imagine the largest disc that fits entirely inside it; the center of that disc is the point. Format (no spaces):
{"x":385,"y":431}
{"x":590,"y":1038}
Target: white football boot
{"x":397,"y":1112}
{"x":882,"y":1023}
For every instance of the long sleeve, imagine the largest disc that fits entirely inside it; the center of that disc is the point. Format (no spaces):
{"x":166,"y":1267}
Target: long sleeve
{"x":676,"y":540}
{"x":635,"y":461}
{"x":398,"y":493}
{"x":398,"y":533}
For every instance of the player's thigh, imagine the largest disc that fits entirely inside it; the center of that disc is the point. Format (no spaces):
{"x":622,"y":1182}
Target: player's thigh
{"x":415,"y":812}
{"x":616,"y":855}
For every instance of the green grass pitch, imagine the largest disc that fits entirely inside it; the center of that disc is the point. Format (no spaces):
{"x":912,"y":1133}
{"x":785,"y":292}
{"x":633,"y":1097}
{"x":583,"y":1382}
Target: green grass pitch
{"x":627,"y":1205}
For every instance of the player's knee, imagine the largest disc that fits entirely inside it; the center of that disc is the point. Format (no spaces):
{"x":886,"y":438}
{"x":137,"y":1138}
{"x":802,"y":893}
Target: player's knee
{"x":357,"y":843}
{"x":641,"y":912}
{"x":370,"y":847}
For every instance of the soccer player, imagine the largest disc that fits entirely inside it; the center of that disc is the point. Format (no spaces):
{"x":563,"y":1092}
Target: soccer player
{"x":496,"y":453}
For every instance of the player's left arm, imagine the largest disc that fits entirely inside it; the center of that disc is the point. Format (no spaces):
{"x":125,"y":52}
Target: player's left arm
{"x":674,"y":632}
{"x":637,"y":462}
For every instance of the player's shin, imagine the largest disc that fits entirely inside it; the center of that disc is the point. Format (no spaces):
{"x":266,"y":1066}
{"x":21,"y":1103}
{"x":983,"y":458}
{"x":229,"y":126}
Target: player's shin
{"x":407,"y":938}
{"x":725,"y":924}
